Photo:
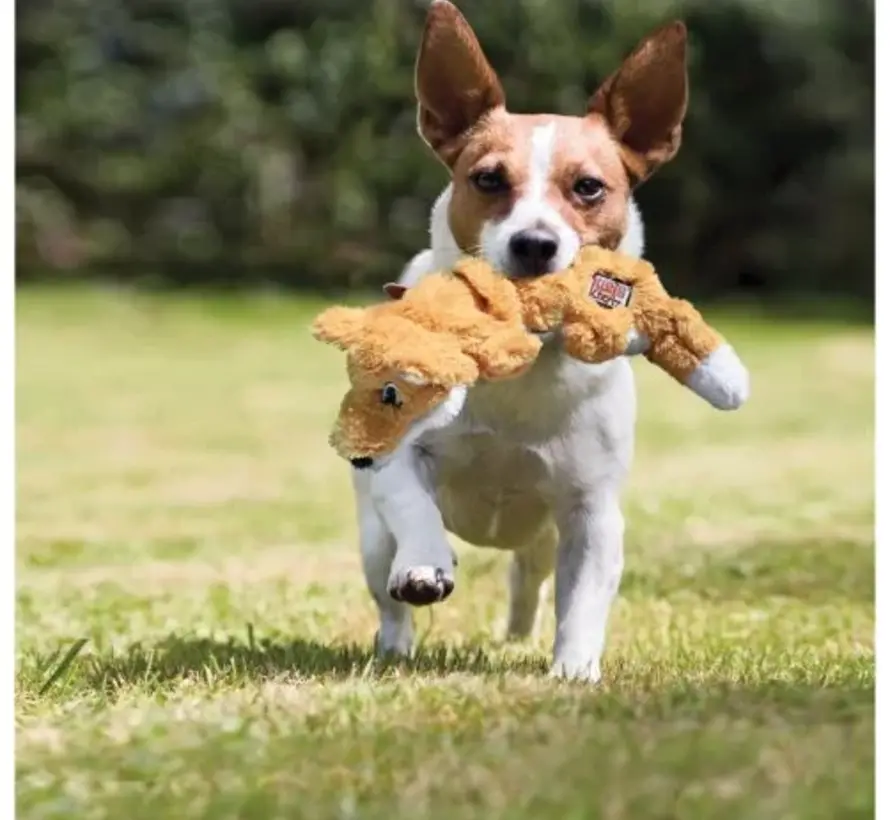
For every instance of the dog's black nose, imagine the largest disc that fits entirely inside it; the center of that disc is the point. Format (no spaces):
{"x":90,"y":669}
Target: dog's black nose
{"x":533,"y":250}
{"x":362,"y":462}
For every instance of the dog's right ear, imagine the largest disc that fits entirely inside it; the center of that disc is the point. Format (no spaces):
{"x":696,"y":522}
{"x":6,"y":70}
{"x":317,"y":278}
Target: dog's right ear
{"x":644,"y":101}
{"x":454,"y":84}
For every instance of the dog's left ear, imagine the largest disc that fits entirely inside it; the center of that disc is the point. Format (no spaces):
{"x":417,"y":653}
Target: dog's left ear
{"x":644,"y":101}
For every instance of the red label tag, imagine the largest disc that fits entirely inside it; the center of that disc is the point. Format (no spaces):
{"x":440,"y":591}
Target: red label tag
{"x":608,"y":292}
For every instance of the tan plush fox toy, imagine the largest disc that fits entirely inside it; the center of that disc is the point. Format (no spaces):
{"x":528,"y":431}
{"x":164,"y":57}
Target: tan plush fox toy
{"x":413,"y":358}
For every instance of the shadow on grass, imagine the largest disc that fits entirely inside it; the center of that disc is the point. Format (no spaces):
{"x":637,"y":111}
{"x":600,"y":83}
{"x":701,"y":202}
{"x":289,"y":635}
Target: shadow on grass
{"x":628,"y":692}
{"x":176,"y":658}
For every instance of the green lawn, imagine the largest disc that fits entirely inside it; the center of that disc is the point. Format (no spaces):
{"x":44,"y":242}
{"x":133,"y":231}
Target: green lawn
{"x":180,"y":511}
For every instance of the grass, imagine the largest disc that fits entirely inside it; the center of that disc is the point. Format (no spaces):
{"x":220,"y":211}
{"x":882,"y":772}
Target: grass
{"x":193,"y":630}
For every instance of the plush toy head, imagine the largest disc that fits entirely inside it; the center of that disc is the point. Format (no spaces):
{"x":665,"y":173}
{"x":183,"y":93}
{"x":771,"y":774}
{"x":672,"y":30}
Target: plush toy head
{"x":403,"y":380}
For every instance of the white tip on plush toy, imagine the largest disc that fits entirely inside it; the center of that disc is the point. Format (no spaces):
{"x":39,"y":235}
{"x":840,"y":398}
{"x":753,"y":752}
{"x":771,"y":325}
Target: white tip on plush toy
{"x":721,"y":379}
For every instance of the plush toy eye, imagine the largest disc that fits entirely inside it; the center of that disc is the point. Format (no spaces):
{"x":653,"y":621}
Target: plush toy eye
{"x":490,"y":182}
{"x":590,"y":189}
{"x":390,"y":395}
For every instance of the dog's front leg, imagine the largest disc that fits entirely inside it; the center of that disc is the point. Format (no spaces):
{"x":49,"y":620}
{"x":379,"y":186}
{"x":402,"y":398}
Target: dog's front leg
{"x":589,"y":563}
{"x":378,"y":547}
{"x":422,"y":570}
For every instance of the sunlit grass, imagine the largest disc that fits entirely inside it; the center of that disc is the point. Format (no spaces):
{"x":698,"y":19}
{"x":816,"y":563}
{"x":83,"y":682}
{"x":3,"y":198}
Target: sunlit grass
{"x":180,"y":511}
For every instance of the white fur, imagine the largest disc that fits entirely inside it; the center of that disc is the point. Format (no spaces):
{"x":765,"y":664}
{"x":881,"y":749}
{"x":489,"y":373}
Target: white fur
{"x":532,"y":210}
{"x":721,"y":379}
{"x":533,"y":464}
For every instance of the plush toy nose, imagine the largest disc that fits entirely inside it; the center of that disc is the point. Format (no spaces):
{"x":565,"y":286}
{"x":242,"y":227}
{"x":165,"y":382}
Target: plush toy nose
{"x":532,"y":251}
{"x":362,"y":462}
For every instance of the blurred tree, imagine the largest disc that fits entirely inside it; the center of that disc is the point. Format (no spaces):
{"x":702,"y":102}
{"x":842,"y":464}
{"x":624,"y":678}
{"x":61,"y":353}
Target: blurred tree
{"x":259,"y":141}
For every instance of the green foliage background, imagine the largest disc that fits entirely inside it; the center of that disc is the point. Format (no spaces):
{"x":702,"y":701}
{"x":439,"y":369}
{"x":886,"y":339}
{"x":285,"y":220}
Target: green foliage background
{"x":272,"y":141}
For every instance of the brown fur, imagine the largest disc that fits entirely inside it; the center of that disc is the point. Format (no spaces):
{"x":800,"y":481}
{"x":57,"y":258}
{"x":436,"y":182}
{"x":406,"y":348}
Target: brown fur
{"x":471,"y":323}
{"x":632,"y":126}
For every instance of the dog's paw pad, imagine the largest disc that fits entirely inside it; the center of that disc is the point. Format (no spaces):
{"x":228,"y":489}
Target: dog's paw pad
{"x":421,"y":586}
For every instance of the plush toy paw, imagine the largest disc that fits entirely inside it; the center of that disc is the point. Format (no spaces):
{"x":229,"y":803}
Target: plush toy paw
{"x":507,"y":354}
{"x":721,"y":379}
{"x":421,"y":586}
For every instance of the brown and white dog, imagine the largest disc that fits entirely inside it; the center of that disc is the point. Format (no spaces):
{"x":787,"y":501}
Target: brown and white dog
{"x":536,"y":464}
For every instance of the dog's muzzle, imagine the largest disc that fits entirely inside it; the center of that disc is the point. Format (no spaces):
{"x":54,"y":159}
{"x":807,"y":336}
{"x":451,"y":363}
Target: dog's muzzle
{"x":362,"y":462}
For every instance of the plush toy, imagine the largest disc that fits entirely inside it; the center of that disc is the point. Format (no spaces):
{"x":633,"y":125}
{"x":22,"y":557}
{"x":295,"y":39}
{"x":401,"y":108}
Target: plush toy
{"x":413,"y":357}
{"x":407,"y":359}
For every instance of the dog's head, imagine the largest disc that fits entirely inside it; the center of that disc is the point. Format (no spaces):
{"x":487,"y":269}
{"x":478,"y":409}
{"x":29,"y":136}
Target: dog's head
{"x":529,"y":190}
{"x":403,"y":380}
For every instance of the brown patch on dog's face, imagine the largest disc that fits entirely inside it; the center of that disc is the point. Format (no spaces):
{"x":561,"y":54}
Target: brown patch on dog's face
{"x":502,"y":144}
{"x":632,"y":126}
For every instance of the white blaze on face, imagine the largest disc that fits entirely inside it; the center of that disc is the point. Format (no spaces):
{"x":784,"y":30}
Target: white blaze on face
{"x":532,"y":209}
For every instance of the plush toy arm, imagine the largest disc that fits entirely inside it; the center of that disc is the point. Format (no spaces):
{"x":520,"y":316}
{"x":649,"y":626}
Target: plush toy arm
{"x":677,"y":339}
{"x":504,"y":353}
{"x":595,"y":334}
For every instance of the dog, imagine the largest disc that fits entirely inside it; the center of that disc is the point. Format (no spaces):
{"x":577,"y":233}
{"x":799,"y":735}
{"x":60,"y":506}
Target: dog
{"x":536,"y":464}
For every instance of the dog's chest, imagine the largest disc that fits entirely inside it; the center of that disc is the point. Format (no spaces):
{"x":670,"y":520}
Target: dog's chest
{"x":528,"y":434}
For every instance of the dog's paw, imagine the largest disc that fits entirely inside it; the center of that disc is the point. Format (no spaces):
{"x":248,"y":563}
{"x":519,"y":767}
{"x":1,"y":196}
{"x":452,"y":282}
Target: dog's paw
{"x":579,"y":671}
{"x":421,"y":586}
{"x":393,"y":644}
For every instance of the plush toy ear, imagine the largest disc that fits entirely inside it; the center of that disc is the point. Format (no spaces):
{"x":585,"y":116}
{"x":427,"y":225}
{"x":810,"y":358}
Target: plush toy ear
{"x":394,"y":290}
{"x":419,"y":355}
{"x":340,"y":326}
{"x":437,"y":361}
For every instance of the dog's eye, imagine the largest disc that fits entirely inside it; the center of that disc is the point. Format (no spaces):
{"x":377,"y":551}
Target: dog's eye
{"x":490,"y":182}
{"x":590,"y":189}
{"x":390,"y":395}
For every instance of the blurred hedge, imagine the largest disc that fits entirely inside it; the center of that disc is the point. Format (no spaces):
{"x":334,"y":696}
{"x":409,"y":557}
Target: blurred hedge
{"x":259,"y":141}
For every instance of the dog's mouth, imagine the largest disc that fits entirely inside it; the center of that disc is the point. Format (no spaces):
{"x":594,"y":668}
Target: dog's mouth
{"x":518,"y":270}
{"x":520,"y":275}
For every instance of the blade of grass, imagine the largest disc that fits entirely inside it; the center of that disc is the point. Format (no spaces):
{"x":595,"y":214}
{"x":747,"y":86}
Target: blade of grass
{"x":63,"y":666}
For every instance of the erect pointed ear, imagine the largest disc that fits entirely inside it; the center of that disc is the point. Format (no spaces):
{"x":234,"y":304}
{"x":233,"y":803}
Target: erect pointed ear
{"x":644,"y":101}
{"x":340,"y":326}
{"x":394,"y":290}
{"x":454,"y":84}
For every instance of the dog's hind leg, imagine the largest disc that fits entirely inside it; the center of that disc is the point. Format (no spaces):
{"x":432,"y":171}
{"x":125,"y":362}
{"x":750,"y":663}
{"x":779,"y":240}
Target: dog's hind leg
{"x":395,"y":635}
{"x":530,"y":568}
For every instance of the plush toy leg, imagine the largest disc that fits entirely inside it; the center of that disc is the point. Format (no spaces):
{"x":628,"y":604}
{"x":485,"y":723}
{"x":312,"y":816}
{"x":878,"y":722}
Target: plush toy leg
{"x":587,"y":337}
{"x":395,"y":635}
{"x":721,"y":379}
{"x":506,"y":354}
